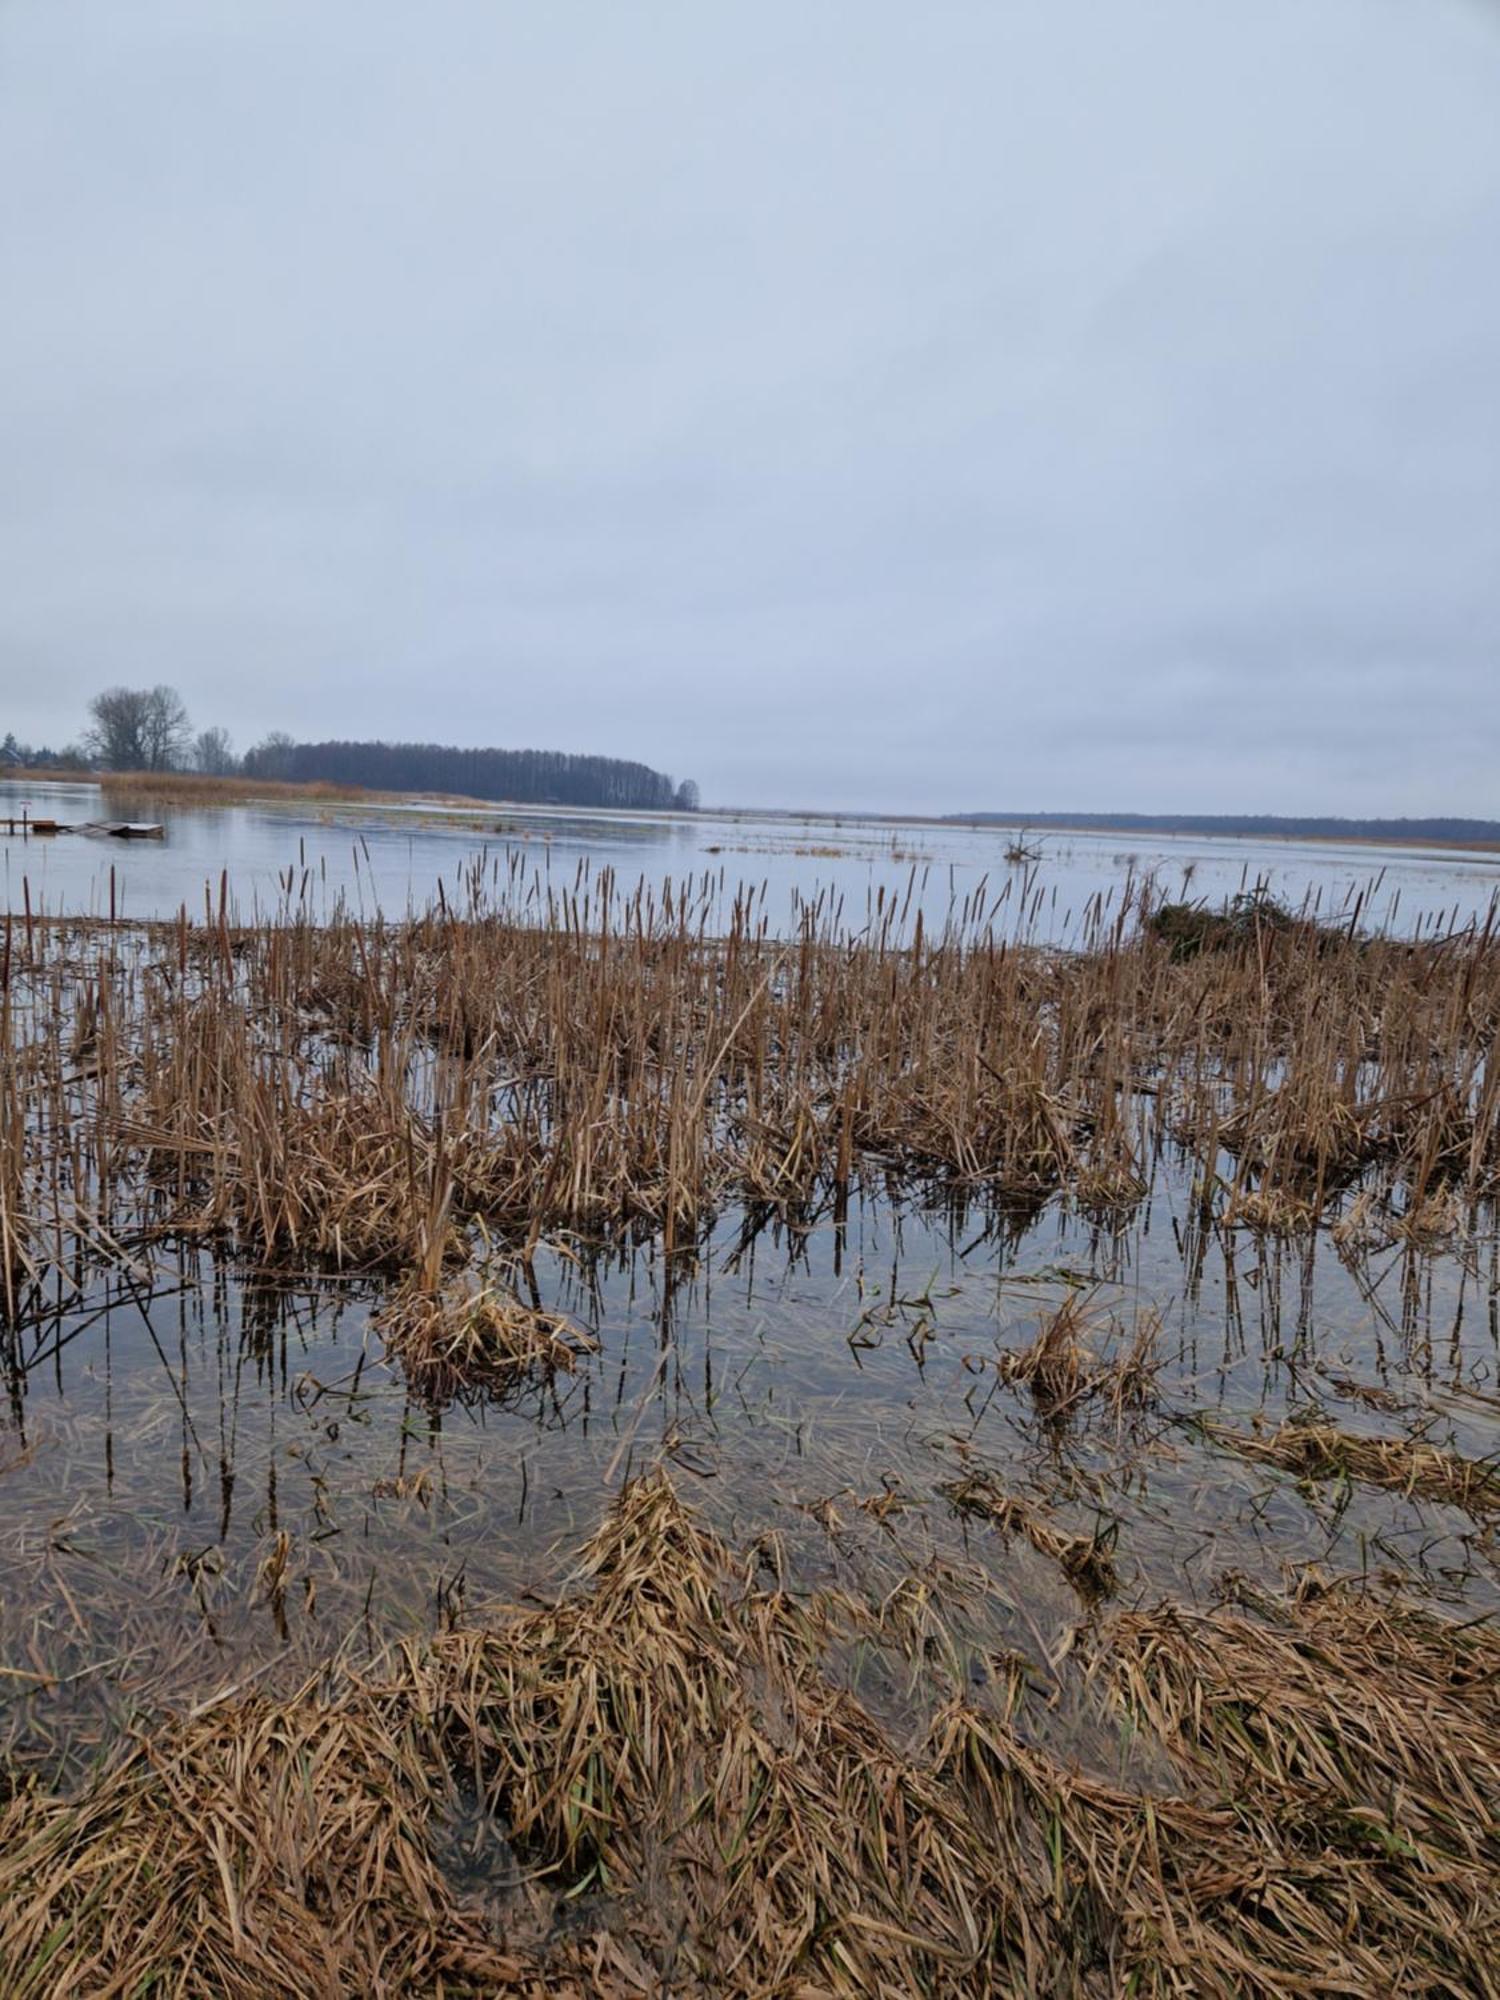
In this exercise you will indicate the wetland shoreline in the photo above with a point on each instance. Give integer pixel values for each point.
(747, 1463)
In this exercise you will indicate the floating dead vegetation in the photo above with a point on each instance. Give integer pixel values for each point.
(1371, 1729)
(1314, 1449)
(257, 1847)
(654, 1784)
(476, 1337)
(1087, 1561)
(1064, 1369)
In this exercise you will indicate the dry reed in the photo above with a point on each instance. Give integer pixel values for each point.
(1314, 1449)
(359, 1092)
(467, 1338)
(655, 1785)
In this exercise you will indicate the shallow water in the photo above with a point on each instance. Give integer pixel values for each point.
(209, 1479)
(163, 1445)
(396, 859)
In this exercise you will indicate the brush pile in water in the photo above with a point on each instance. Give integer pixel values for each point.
(659, 1784)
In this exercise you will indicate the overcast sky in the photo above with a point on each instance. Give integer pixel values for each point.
(1006, 405)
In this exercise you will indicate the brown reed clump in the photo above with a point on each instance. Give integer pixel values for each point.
(464, 1339)
(1055, 1367)
(1314, 1449)
(1085, 1560)
(656, 1785)
(1063, 1370)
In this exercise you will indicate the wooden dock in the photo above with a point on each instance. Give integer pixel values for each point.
(117, 829)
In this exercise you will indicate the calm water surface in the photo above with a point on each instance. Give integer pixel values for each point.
(393, 859)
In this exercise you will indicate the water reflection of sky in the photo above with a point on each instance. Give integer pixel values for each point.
(394, 859)
(177, 1433)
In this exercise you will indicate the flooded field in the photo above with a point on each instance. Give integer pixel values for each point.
(689, 1442)
(394, 859)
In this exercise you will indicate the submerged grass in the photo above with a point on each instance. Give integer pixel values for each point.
(654, 1785)
(1312, 1448)
(1085, 1560)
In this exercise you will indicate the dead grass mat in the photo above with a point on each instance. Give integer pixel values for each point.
(667, 1791)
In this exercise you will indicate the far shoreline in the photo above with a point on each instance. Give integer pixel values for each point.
(194, 788)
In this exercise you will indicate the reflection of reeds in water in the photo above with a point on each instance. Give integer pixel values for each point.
(658, 1784)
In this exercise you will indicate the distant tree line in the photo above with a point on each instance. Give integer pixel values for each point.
(18, 756)
(1269, 825)
(148, 729)
(529, 777)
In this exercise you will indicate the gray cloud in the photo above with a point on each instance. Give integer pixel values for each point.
(977, 404)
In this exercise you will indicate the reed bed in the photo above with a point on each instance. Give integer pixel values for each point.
(197, 788)
(658, 1783)
(362, 1093)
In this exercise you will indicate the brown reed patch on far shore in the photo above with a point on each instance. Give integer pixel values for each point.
(194, 788)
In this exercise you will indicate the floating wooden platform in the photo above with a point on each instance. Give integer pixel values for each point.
(118, 829)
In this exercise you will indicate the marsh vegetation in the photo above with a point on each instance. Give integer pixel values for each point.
(566, 1444)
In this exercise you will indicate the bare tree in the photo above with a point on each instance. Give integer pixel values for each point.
(168, 732)
(687, 798)
(213, 753)
(138, 729)
(117, 728)
(271, 757)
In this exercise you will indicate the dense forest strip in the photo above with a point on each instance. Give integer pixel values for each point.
(528, 777)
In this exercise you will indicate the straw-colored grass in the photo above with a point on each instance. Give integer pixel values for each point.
(259, 1848)
(589, 1061)
(465, 1338)
(195, 788)
(656, 1785)
(1314, 1449)
(1063, 1368)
